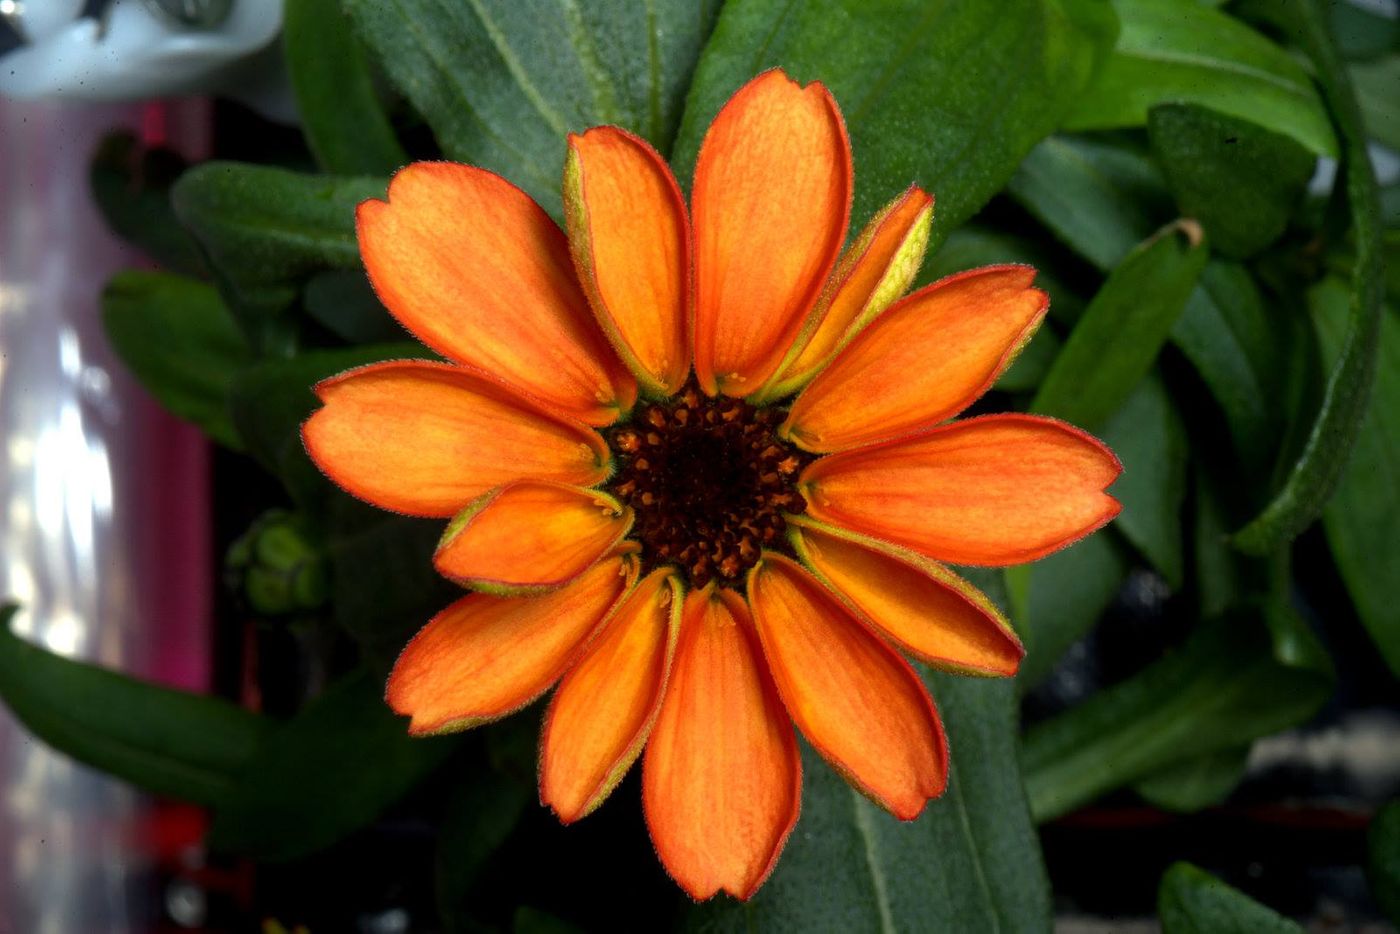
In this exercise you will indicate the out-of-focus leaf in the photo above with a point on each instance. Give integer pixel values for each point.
(326, 772)
(1362, 33)
(1195, 783)
(343, 301)
(483, 810)
(1228, 685)
(975, 245)
(1173, 51)
(1192, 901)
(1149, 438)
(345, 125)
(1316, 472)
(131, 185)
(850, 867)
(1241, 181)
(1378, 92)
(1362, 519)
(181, 342)
(1383, 869)
(1031, 364)
(1099, 195)
(166, 741)
(502, 82)
(915, 109)
(1114, 344)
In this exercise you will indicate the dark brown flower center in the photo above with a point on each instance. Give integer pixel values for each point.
(709, 481)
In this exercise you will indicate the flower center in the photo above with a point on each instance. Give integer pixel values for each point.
(709, 481)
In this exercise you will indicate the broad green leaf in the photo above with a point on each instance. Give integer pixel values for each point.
(1362, 518)
(1149, 438)
(181, 342)
(1192, 901)
(970, 863)
(1315, 474)
(1186, 52)
(1383, 865)
(1224, 688)
(503, 82)
(975, 245)
(1378, 92)
(328, 771)
(1241, 181)
(1115, 343)
(341, 116)
(916, 109)
(1099, 195)
(481, 814)
(1034, 360)
(343, 301)
(131, 187)
(1362, 33)
(169, 742)
(1196, 783)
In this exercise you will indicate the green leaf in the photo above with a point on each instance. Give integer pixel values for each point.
(131, 186)
(181, 342)
(1149, 438)
(1114, 344)
(916, 110)
(1186, 52)
(1378, 93)
(1196, 783)
(1192, 901)
(969, 863)
(483, 811)
(343, 301)
(1099, 195)
(1241, 181)
(1315, 474)
(1361, 519)
(169, 742)
(1383, 869)
(502, 82)
(1224, 688)
(975, 245)
(328, 771)
(1361, 33)
(341, 115)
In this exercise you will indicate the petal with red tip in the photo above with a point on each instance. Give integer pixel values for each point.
(771, 201)
(604, 708)
(917, 603)
(530, 536)
(1001, 489)
(854, 698)
(428, 438)
(872, 275)
(921, 362)
(721, 780)
(630, 238)
(478, 271)
(486, 656)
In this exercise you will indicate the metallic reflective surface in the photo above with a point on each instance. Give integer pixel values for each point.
(103, 536)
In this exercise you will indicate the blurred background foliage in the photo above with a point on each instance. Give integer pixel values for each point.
(1191, 179)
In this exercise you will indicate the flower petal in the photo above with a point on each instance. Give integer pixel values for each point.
(530, 536)
(771, 200)
(630, 238)
(428, 438)
(485, 656)
(722, 780)
(921, 362)
(916, 603)
(606, 705)
(871, 276)
(854, 698)
(478, 271)
(1001, 489)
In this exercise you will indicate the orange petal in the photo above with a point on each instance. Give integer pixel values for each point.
(605, 706)
(854, 698)
(722, 780)
(919, 604)
(428, 438)
(466, 261)
(923, 361)
(1001, 489)
(631, 243)
(486, 656)
(874, 273)
(771, 200)
(530, 536)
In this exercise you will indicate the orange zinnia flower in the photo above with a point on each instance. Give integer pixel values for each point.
(710, 566)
